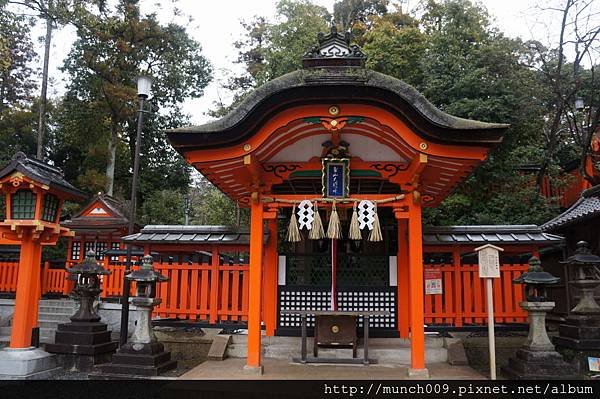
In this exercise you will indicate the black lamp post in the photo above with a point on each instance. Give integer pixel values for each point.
(144, 84)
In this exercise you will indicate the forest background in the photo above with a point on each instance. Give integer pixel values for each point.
(449, 50)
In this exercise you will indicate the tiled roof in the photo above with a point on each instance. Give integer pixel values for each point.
(80, 222)
(43, 173)
(586, 207)
(476, 235)
(176, 234)
(489, 234)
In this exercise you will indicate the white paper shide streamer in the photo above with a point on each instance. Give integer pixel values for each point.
(366, 214)
(306, 215)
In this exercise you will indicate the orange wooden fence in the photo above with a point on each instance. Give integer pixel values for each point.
(194, 291)
(464, 298)
(8, 276)
(219, 293)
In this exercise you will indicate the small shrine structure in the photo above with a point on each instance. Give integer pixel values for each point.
(361, 152)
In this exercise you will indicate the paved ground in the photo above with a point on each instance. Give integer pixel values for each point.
(279, 369)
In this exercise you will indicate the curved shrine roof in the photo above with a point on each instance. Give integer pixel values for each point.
(386, 123)
(333, 85)
(586, 207)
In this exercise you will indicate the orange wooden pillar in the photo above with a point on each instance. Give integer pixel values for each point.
(403, 279)
(253, 361)
(458, 291)
(270, 279)
(26, 299)
(417, 329)
(214, 284)
(38, 288)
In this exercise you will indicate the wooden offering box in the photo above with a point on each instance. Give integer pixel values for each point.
(337, 331)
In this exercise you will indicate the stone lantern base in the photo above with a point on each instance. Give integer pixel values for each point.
(135, 359)
(143, 355)
(80, 346)
(538, 365)
(579, 338)
(538, 360)
(27, 364)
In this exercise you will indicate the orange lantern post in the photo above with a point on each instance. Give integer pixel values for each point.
(34, 195)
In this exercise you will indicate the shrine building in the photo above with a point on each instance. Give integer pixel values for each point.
(359, 151)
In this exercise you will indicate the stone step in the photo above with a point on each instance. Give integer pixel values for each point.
(430, 342)
(57, 302)
(386, 350)
(58, 317)
(218, 348)
(56, 310)
(52, 324)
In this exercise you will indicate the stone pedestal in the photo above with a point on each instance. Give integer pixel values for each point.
(579, 338)
(142, 356)
(80, 346)
(27, 364)
(538, 360)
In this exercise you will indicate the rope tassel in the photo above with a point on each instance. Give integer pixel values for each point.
(334, 229)
(375, 234)
(317, 232)
(293, 230)
(354, 233)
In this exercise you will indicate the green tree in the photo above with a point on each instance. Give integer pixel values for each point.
(163, 207)
(115, 46)
(16, 75)
(271, 49)
(396, 46)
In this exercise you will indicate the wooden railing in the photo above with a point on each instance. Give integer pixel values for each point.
(464, 298)
(8, 276)
(202, 291)
(217, 293)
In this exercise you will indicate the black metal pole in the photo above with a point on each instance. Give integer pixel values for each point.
(132, 212)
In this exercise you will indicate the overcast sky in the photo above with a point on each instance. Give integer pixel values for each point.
(216, 25)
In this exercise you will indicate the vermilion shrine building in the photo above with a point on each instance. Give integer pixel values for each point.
(276, 149)
(395, 148)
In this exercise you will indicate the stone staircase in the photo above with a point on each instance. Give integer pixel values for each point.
(53, 312)
(385, 350)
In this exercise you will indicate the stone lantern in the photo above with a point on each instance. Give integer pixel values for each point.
(87, 286)
(536, 281)
(142, 355)
(583, 264)
(84, 342)
(537, 359)
(146, 278)
(34, 193)
(579, 335)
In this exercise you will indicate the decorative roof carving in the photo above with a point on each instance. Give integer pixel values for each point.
(334, 50)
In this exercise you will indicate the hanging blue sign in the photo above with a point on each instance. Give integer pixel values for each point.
(336, 177)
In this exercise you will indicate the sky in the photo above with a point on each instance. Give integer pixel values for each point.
(216, 25)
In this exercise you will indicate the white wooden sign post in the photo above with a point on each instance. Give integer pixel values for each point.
(489, 268)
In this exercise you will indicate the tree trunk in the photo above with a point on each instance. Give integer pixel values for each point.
(112, 158)
(42, 108)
